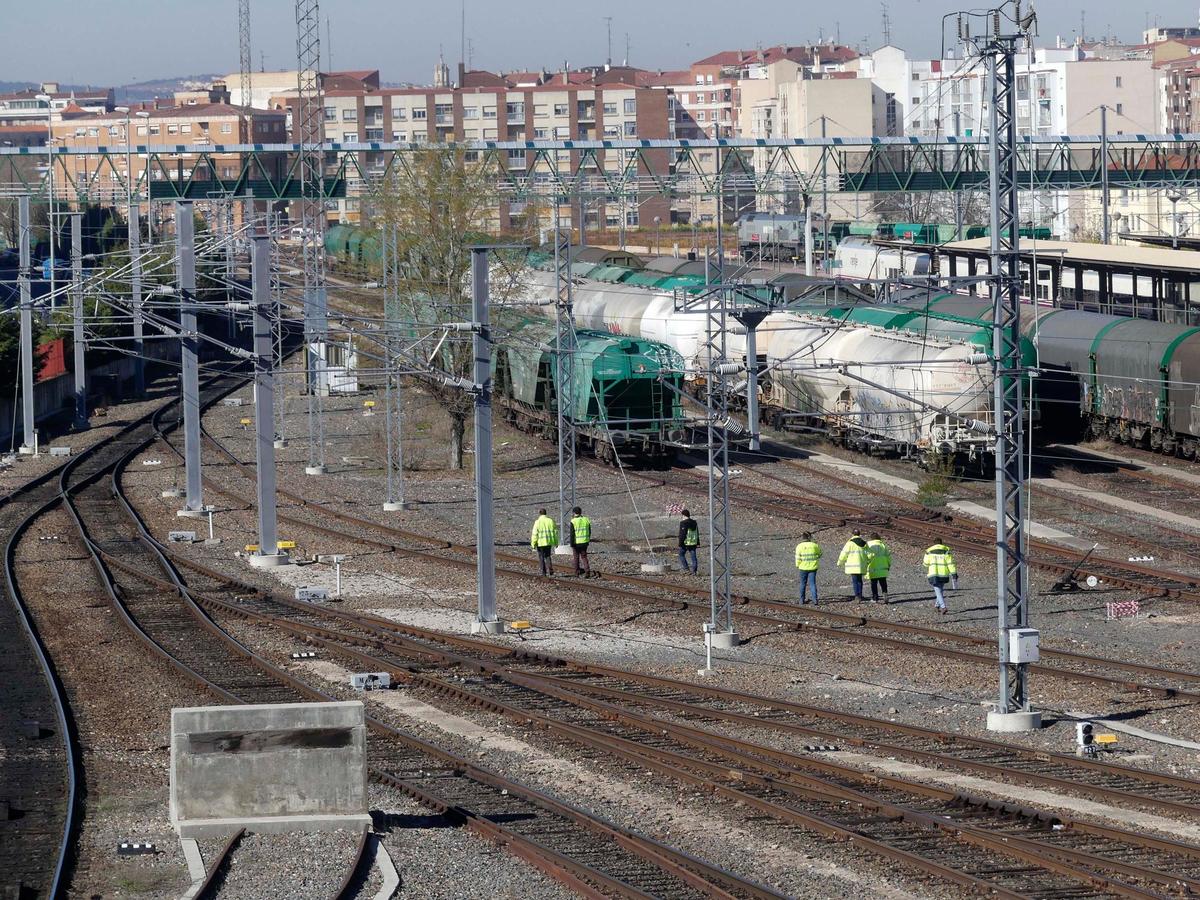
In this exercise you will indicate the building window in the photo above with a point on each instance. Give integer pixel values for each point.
(561, 109)
(399, 112)
(399, 136)
(331, 114)
(1119, 109)
(420, 112)
(610, 109)
(489, 134)
(349, 137)
(374, 134)
(420, 137)
(631, 129)
(349, 115)
(1118, 81)
(631, 218)
(562, 133)
(154, 129)
(489, 112)
(612, 131)
(515, 112)
(630, 106)
(539, 109)
(541, 134)
(470, 112)
(141, 129)
(226, 128)
(185, 129)
(443, 113)
(700, 116)
(171, 129)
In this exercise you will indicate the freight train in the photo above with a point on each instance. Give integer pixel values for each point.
(626, 397)
(841, 367)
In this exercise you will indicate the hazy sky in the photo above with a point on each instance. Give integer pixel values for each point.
(121, 41)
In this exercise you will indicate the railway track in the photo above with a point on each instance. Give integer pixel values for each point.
(789, 789)
(593, 856)
(1060, 664)
(1033, 770)
(40, 770)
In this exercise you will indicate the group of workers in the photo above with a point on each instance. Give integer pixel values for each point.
(871, 560)
(867, 562)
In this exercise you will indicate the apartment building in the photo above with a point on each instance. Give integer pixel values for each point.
(607, 103)
(24, 107)
(194, 120)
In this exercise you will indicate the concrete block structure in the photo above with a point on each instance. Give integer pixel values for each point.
(269, 768)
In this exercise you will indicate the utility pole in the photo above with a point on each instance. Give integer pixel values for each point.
(958, 200)
(1105, 197)
(608, 23)
(481, 342)
(310, 130)
(393, 398)
(1017, 643)
(268, 555)
(29, 425)
(189, 376)
(78, 340)
(135, 299)
(564, 354)
(824, 200)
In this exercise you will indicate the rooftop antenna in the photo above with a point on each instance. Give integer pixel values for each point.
(608, 23)
(462, 36)
(328, 45)
(887, 25)
(837, 33)
(627, 48)
(262, 61)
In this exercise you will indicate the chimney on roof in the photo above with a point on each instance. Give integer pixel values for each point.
(566, 72)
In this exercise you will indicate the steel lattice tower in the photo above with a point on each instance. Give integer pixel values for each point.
(1008, 400)
(244, 57)
(564, 348)
(309, 127)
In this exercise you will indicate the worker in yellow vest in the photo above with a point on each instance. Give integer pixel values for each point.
(879, 566)
(940, 568)
(544, 539)
(856, 559)
(808, 560)
(580, 537)
(689, 540)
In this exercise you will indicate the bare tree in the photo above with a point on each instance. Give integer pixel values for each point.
(442, 204)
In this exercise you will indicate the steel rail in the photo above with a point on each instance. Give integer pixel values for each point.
(215, 873)
(745, 754)
(686, 869)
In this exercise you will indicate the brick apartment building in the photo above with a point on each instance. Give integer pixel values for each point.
(203, 118)
(596, 104)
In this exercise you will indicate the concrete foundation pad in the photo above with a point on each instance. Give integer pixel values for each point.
(191, 513)
(315, 470)
(1025, 720)
(269, 561)
(653, 569)
(212, 542)
(562, 551)
(396, 506)
(24, 450)
(280, 445)
(707, 673)
(217, 828)
(172, 493)
(496, 627)
(726, 640)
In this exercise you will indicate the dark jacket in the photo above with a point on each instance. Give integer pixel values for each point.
(684, 527)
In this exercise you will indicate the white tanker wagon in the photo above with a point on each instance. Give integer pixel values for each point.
(870, 388)
(875, 390)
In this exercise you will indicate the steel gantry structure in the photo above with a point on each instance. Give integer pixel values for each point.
(582, 168)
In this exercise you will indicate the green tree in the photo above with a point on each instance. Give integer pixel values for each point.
(442, 204)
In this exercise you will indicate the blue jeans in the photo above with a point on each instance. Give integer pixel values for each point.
(807, 578)
(684, 553)
(856, 582)
(939, 598)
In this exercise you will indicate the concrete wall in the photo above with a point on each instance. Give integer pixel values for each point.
(274, 767)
